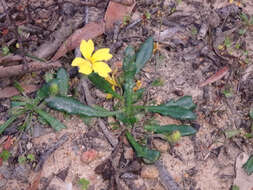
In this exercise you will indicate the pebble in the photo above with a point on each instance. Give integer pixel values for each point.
(149, 172)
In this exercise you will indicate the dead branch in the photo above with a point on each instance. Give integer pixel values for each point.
(10, 58)
(27, 68)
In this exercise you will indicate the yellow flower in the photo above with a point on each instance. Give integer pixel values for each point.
(93, 61)
(113, 82)
(137, 85)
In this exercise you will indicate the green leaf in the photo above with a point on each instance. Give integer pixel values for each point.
(138, 94)
(31, 157)
(129, 65)
(149, 156)
(53, 122)
(5, 154)
(173, 111)
(17, 104)
(127, 120)
(42, 93)
(251, 113)
(185, 130)
(144, 54)
(129, 69)
(21, 159)
(235, 187)
(73, 106)
(248, 166)
(63, 82)
(18, 86)
(231, 133)
(184, 102)
(103, 85)
(84, 183)
(7, 123)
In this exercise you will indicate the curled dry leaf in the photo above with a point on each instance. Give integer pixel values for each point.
(217, 76)
(89, 31)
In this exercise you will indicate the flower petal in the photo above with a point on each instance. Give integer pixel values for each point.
(101, 55)
(78, 61)
(101, 68)
(85, 67)
(87, 48)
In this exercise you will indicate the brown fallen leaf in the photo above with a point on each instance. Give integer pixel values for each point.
(12, 91)
(217, 76)
(89, 31)
(115, 13)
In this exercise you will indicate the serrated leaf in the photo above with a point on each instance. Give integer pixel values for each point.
(149, 156)
(73, 106)
(53, 122)
(63, 82)
(185, 130)
(184, 102)
(173, 111)
(7, 123)
(144, 54)
(129, 69)
(103, 85)
(248, 166)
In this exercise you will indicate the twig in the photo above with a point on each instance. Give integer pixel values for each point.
(84, 84)
(165, 177)
(30, 67)
(109, 136)
(51, 150)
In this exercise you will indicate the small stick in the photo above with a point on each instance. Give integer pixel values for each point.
(30, 67)
(165, 177)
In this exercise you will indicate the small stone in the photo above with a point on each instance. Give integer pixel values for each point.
(29, 145)
(161, 146)
(149, 172)
(89, 156)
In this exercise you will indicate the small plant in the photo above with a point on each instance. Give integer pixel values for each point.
(24, 159)
(248, 166)
(127, 109)
(23, 106)
(5, 154)
(84, 183)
